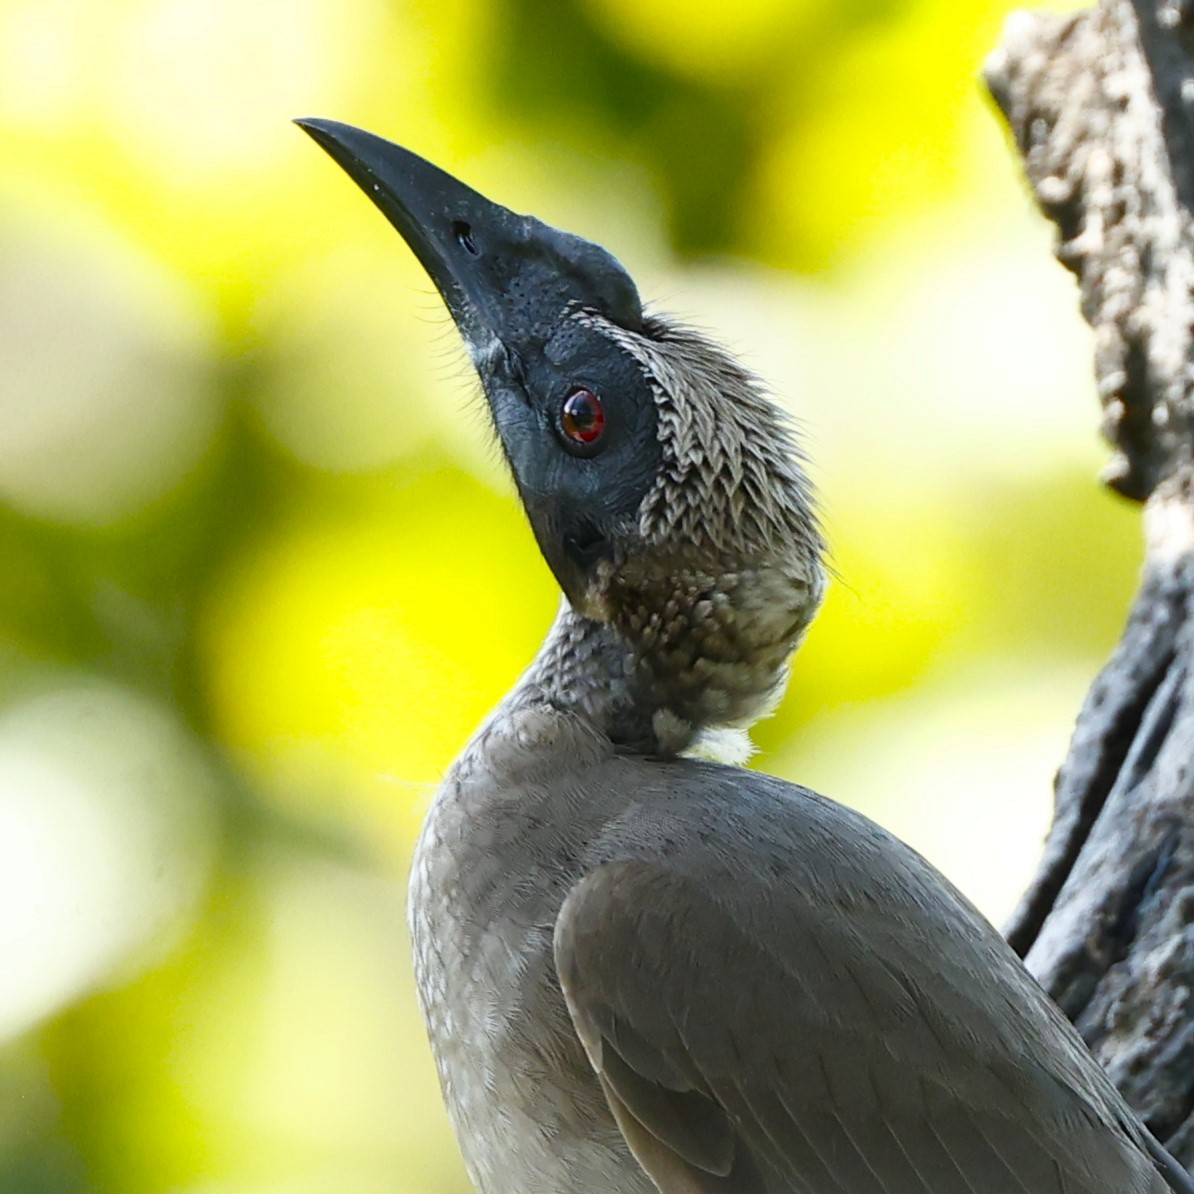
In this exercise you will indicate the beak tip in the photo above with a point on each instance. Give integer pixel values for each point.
(315, 126)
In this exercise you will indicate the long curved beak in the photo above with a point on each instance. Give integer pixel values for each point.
(503, 276)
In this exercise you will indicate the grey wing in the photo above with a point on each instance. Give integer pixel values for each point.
(1170, 1168)
(742, 1055)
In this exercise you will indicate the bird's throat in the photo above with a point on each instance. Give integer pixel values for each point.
(676, 657)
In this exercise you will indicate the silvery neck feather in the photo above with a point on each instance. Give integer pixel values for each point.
(686, 626)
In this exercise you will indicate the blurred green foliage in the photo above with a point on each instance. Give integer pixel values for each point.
(261, 574)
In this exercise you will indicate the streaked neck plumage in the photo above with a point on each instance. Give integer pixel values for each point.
(685, 630)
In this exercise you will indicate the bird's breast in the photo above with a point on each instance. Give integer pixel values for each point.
(489, 875)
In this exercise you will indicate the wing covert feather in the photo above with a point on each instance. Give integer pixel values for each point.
(747, 1046)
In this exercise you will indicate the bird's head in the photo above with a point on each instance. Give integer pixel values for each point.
(663, 487)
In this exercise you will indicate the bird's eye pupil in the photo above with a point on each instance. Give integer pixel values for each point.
(463, 233)
(582, 417)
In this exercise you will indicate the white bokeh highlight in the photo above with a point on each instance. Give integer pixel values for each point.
(106, 839)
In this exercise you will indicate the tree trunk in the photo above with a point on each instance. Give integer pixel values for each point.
(1101, 104)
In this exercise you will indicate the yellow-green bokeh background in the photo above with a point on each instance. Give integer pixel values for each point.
(261, 573)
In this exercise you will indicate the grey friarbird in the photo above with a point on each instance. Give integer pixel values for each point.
(641, 970)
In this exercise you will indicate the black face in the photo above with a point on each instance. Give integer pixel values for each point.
(573, 410)
(577, 422)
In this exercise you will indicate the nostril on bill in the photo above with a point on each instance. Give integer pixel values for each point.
(463, 233)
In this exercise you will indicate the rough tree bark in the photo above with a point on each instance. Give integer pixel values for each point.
(1101, 104)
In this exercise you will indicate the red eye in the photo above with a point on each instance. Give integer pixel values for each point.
(582, 417)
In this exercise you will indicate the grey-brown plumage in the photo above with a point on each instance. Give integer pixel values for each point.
(642, 971)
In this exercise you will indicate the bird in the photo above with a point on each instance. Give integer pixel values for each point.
(644, 968)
